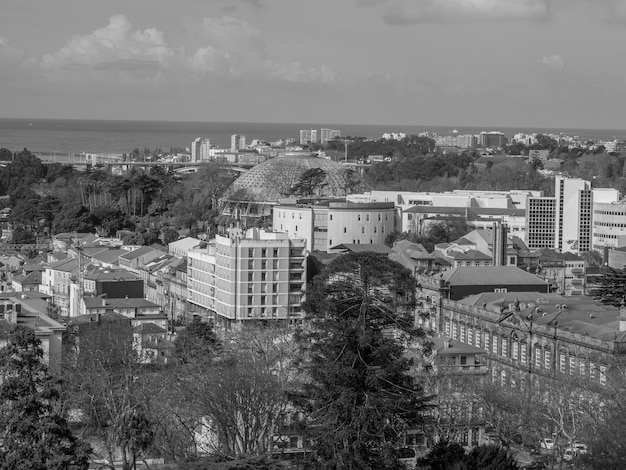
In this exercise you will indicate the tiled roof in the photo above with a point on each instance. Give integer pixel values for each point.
(490, 275)
(361, 248)
(148, 328)
(137, 253)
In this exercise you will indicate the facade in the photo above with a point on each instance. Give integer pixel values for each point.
(566, 272)
(251, 277)
(114, 284)
(180, 248)
(576, 220)
(308, 136)
(532, 339)
(491, 139)
(237, 142)
(56, 281)
(200, 149)
(609, 224)
(460, 282)
(328, 223)
(30, 309)
(540, 226)
(328, 134)
(573, 214)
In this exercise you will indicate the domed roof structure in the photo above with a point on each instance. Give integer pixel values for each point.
(274, 179)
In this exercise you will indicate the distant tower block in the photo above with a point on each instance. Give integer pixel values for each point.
(500, 235)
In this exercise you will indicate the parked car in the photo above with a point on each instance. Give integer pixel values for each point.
(546, 443)
(569, 455)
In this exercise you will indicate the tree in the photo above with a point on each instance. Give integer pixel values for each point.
(197, 342)
(310, 183)
(170, 235)
(445, 455)
(361, 394)
(451, 456)
(21, 236)
(33, 435)
(490, 457)
(612, 287)
(105, 384)
(74, 218)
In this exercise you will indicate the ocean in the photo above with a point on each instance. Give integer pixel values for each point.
(70, 136)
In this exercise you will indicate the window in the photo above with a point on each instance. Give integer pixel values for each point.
(362, 229)
(463, 333)
(538, 357)
(486, 341)
(250, 252)
(250, 264)
(249, 277)
(573, 367)
(547, 359)
(262, 300)
(275, 253)
(592, 370)
(504, 348)
(455, 330)
(602, 375)
(562, 362)
(515, 350)
(447, 328)
(263, 276)
(477, 344)
(582, 367)
(470, 335)
(263, 264)
(463, 360)
(345, 230)
(249, 299)
(522, 353)
(367, 217)
(494, 345)
(264, 252)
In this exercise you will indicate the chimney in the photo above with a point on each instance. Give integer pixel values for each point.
(622, 317)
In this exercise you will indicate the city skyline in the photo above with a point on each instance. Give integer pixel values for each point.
(512, 63)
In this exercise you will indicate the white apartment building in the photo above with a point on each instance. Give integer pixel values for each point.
(200, 149)
(609, 224)
(237, 142)
(308, 136)
(576, 220)
(328, 134)
(57, 281)
(328, 223)
(248, 277)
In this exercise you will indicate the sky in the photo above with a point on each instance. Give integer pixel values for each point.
(506, 63)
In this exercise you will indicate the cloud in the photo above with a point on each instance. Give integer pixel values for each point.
(225, 49)
(404, 12)
(553, 62)
(615, 11)
(115, 47)
(237, 49)
(294, 72)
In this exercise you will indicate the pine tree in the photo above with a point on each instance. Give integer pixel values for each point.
(361, 394)
(32, 435)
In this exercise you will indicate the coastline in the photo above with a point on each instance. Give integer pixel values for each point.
(78, 136)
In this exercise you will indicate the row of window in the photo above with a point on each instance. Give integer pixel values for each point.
(264, 252)
(499, 346)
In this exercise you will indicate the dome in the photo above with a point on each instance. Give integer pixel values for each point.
(274, 178)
